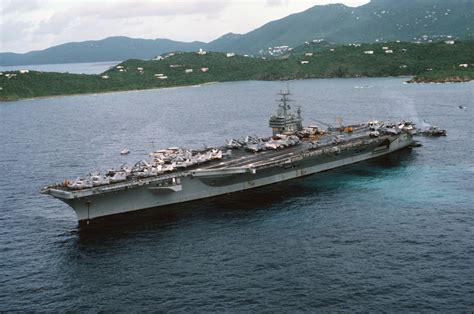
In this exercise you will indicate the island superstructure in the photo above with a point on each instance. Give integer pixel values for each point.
(176, 175)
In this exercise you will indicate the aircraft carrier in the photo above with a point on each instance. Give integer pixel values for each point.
(176, 175)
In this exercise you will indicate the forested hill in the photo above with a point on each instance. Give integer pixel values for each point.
(438, 62)
(377, 21)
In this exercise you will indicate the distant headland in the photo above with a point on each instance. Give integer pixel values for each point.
(444, 61)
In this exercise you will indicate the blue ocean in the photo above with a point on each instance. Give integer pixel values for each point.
(77, 68)
(391, 234)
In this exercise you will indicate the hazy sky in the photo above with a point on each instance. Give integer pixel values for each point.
(27, 25)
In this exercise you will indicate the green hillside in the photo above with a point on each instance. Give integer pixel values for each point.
(108, 49)
(436, 62)
(377, 21)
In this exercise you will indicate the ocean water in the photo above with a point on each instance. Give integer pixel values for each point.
(78, 68)
(391, 234)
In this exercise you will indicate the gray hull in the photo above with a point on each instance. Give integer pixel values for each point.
(194, 185)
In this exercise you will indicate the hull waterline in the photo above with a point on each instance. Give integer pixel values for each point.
(189, 187)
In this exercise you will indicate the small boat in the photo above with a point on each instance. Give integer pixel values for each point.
(125, 151)
(434, 131)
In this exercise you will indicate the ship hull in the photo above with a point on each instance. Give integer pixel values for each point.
(190, 187)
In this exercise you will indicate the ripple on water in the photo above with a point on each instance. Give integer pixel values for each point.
(393, 233)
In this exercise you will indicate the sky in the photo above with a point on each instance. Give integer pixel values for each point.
(27, 25)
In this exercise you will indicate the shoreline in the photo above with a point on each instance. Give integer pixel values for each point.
(108, 92)
(414, 63)
(413, 80)
(453, 79)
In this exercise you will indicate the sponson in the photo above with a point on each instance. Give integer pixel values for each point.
(177, 175)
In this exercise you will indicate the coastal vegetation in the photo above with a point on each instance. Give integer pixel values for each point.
(377, 21)
(434, 62)
(445, 76)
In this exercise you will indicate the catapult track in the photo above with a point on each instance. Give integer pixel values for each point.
(178, 175)
(247, 172)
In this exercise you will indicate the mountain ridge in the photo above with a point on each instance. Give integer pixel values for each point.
(110, 48)
(376, 21)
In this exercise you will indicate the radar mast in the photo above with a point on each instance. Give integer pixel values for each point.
(285, 120)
